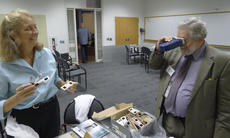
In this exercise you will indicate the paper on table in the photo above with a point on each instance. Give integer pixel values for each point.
(93, 129)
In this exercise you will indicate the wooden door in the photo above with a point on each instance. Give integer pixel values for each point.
(126, 30)
(88, 21)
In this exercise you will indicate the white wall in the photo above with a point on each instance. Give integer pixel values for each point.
(75, 3)
(120, 8)
(167, 7)
(171, 7)
(56, 19)
(56, 16)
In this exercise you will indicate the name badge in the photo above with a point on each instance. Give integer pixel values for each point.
(170, 70)
(167, 91)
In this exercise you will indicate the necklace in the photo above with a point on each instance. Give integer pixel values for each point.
(29, 60)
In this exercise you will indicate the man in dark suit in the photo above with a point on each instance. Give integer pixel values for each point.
(199, 106)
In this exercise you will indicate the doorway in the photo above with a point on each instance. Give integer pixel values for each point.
(86, 17)
(92, 19)
(126, 30)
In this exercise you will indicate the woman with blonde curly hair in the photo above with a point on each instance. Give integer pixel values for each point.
(22, 61)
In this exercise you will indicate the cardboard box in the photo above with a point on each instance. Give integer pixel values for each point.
(120, 130)
(114, 113)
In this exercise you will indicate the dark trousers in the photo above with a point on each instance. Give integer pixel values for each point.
(84, 53)
(45, 120)
(174, 126)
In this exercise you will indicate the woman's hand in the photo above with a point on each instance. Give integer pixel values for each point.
(73, 88)
(22, 93)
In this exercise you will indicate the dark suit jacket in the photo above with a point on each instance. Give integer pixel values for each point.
(208, 111)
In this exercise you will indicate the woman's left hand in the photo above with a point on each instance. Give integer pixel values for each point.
(72, 88)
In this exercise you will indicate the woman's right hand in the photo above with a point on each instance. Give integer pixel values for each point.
(24, 91)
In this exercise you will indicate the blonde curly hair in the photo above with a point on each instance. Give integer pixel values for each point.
(9, 48)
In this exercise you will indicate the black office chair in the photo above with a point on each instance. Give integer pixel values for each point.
(64, 56)
(67, 57)
(57, 53)
(70, 71)
(69, 114)
(130, 53)
(58, 57)
(146, 54)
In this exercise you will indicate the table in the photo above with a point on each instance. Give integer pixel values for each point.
(105, 123)
(70, 134)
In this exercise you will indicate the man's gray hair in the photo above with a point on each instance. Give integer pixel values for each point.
(197, 28)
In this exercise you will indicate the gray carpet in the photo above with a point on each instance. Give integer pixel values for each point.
(113, 81)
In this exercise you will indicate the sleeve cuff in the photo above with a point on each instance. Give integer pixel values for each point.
(57, 80)
(2, 115)
(158, 52)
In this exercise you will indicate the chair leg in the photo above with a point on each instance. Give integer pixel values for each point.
(85, 82)
(79, 79)
(147, 68)
(64, 76)
(69, 76)
(141, 58)
(65, 128)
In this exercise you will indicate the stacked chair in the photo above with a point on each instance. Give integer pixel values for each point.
(130, 53)
(145, 57)
(68, 70)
